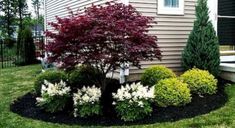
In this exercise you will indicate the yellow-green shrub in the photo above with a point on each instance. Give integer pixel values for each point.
(200, 81)
(154, 74)
(171, 92)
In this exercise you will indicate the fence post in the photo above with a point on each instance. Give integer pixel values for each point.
(1, 43)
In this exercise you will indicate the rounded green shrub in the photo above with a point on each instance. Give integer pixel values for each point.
(84, 75)
(171, 92)
(52, 76)
(200, 81)
(154, 74)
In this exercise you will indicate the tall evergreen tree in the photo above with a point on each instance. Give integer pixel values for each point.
(8, 7)
(202, 49)
(21, 9)
(27, 47)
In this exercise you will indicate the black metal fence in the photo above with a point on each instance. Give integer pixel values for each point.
(9, 56)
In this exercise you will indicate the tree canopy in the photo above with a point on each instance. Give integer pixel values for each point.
(104, 36)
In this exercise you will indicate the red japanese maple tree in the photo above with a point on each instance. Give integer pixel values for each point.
(102, 36)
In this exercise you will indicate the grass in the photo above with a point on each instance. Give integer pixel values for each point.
(15, 82)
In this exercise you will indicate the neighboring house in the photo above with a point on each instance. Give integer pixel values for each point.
(37, 30)
(174, 18)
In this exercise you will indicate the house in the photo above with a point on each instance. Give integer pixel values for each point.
(175, 20)
(37, 30)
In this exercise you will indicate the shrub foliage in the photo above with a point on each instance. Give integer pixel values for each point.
(202, 49)
(87, 102)
(133, 102)
(27, 47)
(200, 81)
(52, 76)
(154, 74)
(172, 92)
(84, 75)
(54, 96)
(9, 42)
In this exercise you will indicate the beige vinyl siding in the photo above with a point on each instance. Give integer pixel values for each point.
(172, 32)
(60, 8)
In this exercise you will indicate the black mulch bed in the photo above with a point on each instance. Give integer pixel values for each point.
(25, 106)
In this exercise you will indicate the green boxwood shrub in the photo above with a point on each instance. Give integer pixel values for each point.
(154, 74)
(84, 75)
(171, 92)
(200, 81)
(52, 76)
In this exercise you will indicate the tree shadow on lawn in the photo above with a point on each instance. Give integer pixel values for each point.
(26, 107)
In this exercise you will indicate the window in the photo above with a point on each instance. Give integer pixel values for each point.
(171, 3)
(174, 7)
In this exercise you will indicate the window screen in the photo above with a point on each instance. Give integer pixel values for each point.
(226, 7)
(171, 3)
(226, 31)
(226, 22)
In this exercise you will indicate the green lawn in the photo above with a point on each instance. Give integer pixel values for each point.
(15, 82)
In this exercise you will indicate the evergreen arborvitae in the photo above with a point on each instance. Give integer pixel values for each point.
(27, 47)
(8, 9)
(19, 41)
(202, 49)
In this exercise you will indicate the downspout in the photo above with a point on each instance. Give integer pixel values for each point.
(124, 67)
(45, 27)
(45, 18)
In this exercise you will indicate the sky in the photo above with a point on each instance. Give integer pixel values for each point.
(30, 7)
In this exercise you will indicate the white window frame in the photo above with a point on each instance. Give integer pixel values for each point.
(213, 13)
(171, 11)
(126, 2)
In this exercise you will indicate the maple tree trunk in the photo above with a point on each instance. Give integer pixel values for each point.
(103, 83)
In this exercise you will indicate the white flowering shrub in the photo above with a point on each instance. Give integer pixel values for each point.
(53, 96)
(87, 102)
(133, 102)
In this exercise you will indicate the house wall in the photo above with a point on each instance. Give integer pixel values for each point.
(172, 32)
(60, 8)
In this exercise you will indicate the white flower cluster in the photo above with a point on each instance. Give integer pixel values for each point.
(135, 92)
(57, 89)
(87, 95)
